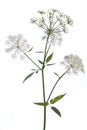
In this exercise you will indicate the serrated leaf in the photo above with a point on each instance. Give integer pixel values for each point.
(28, 76)
(52, 101)
(30, 49)
(49, 57)
(40, 62)
(56, 111)
(41, 103)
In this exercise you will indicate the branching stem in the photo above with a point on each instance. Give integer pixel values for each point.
(43, 83)
(30, 59)
(57, 83)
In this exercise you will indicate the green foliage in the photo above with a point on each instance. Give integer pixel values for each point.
(30, 49)
(41, 103)
(40, 62)
(50, 64)
(52, 101)
(28, 76)
(39, 51)
(56, 74)
(49, 57)
(56, 111)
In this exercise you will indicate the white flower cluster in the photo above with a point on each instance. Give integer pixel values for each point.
(73, 62)
(53, 22)
(17, 45)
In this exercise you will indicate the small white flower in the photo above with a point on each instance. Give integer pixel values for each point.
(17, 45)
(73, 62)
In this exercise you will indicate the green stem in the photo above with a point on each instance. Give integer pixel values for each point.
(43, 84)
(44, 126)
(45, 52)
(56, 83)
(31, 60)
(48, 49)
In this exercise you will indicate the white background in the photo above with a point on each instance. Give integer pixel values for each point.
(17, 111)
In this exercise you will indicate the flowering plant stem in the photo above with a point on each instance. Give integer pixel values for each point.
(47, 48)
(57, 83)
(56, 24)
(43, 83)
(32, 61)
(42, 73)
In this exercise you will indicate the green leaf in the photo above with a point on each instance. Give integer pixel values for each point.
(49, 57)
(30, 49)
(41, 103)
(28, 76)
(56, 74)
(50, 64)
(33, 69)
(56, 111)
(39, 52)
(40, 62)
(52, 101)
